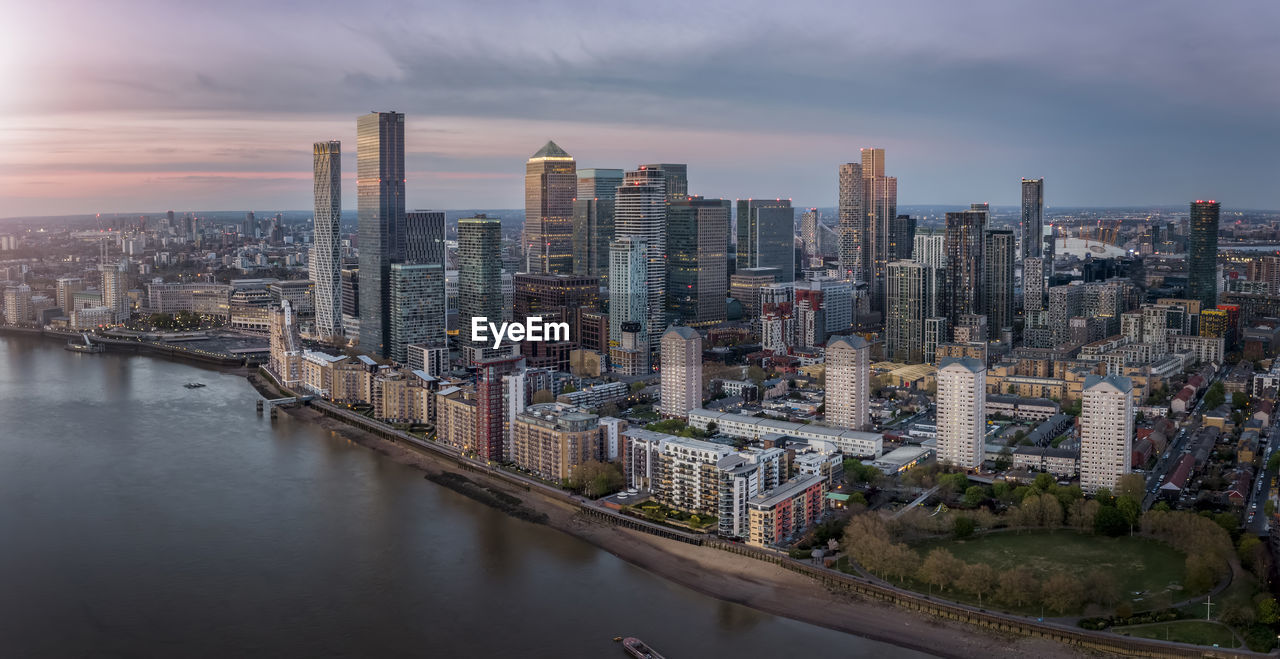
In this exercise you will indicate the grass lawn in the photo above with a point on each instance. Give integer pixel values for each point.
(1197, 632)
(1138, 565)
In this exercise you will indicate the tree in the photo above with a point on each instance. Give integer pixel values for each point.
(1103, 496)
(568, 389)
(1202, 572)
(543, 396)
(1081, 514)
(899, 561)
(1227, 521)
(963, 528)
(1102, 588)
(974, 495)
(1000, 489)
(1130, 508)
(1239, 400)
(940, 568)
(1050, 511)
(1268, 611)
(1043, 482)
(1017, 586)
(1063, 593)
(978, 579)
(596, 479)
(1215, 396)
(1110, 522)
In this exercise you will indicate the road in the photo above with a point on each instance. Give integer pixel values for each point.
(1173, 452)
(1255, 514)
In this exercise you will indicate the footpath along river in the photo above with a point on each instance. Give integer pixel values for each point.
(139, 518)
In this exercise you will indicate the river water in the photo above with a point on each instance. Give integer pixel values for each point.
(139, 518)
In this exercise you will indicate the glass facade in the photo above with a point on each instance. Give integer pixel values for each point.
(550, 185)
(1202, 254)
(380, 201)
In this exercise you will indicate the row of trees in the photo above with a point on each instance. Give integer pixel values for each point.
(870, 543)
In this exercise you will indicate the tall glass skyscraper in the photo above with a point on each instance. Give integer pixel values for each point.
(767, 236)
(424, 236)
(881, 204)
(997, 285)
(417, 307)
(1032, 217)
(697, 266)
(1202, 254)
(964, 268)
(593, 221)
(380, 200)
(640, 211)
(479, 280)
(550, 185)
(325, 256)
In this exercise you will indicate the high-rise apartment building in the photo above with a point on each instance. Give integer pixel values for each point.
(550, 186)
(930, 249)
(629, 293)
(1106, 431)
(809, 221)
(902, 237)
(964, 269)
(823, 308)
(910, 291)
(1032, 218)
(681, 389)
(697, 267)
(67, 288)
(961, 411)
(552, 439)
(115, 290)
(17, 304)
(285, 356)
(1202, 254)
(997, 284)
(380, 202)
(417, 307)
(640, 212)
(1034, 283)
(881, 200)
(766, 236)
(326, 260)
(848, 372)
(852, 211)
(479, 278)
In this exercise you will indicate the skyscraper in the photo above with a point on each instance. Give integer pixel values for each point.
(629, 290)
(479, 279)
(964, 271)
(852, 223)
(326, 261)
(881, 199)
(550, 186)
(961, 411)
(1106, 431)
(910, 289)
(675, 176)
(593, 225)
(1202, 254)
(809, 235)
(1034, 284)
(902, 236)
(848, 371)
(930, 249)
(697, 267)
(424, 236)
(640, 211)
(380, 201)
(115, 290)
(767, 236)
(997, 282)
(417, 307)
(1032, 217)
(681, 372)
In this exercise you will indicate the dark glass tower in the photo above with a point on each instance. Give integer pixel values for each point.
(424, 236)
(1032, 217)
(997, 286)
(767, 236)
(964, 273)
(1202, 254)
(380, 200)
(550, 185)
(697, 270)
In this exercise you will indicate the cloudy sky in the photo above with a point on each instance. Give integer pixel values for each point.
(137, 106)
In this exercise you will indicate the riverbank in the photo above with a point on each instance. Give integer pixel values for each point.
(726, 576)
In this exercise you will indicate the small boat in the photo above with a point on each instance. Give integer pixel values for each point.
(81, 347)
(638, 649)
(193, 385)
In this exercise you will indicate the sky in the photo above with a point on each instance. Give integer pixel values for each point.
(135, 105)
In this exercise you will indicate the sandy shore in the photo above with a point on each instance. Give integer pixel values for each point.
(735, 578)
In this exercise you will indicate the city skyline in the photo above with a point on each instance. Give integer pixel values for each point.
(127, 131)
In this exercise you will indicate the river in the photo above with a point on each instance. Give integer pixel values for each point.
(139, 518)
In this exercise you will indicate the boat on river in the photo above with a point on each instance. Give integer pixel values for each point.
(638, 649)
